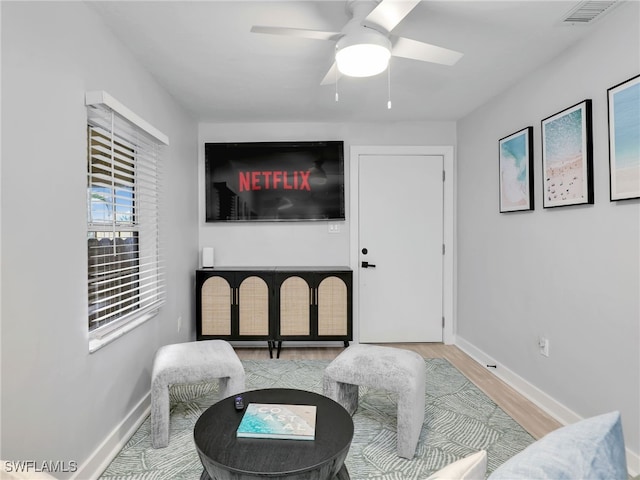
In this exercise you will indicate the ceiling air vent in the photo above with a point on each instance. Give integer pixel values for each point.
(588, 11)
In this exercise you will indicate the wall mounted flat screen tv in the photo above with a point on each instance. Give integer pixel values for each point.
(274, 181)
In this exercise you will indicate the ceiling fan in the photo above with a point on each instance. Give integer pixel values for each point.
(365, 44)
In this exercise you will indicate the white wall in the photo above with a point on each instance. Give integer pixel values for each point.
(572, 273)
(569, 273)
(59, 402)
(301, 243)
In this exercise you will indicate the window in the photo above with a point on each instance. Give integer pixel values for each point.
(125, 271)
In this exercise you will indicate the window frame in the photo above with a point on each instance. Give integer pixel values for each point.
(143, 224)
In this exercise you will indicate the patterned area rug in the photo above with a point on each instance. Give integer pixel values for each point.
(459, 420)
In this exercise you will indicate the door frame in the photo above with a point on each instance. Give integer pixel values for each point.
(449, 258)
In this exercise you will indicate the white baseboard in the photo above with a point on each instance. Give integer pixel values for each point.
(554, 408)
(102, 456)
(544, 401)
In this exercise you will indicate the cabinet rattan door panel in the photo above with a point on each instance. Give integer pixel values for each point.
(216, 307)
(253, 305)
(332, 307)
(294, 307)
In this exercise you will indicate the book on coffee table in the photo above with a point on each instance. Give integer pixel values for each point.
(275, 420)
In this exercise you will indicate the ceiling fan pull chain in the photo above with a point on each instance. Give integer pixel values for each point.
(389, 86)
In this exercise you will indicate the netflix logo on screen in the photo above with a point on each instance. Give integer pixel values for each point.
(274, 181)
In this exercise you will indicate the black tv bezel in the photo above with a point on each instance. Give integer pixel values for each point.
(339, 158)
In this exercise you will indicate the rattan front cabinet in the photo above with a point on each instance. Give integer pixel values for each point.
(234, 304)
(313, 304)
(274, 304)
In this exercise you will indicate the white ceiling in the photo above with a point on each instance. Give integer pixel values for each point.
(203, 53)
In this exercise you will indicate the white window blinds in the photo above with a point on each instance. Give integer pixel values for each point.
(125, 267)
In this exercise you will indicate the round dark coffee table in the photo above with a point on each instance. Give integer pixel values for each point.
(226, 457)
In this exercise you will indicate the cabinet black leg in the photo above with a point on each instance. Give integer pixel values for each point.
(346, 343)
(279, 348)
(270, 346)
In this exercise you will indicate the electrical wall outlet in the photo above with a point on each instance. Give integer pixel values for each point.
(543, 345)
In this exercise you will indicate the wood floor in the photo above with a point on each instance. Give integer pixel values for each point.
(532, 419)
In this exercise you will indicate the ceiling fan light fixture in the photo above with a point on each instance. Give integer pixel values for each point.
(363, 54)
(363, 60)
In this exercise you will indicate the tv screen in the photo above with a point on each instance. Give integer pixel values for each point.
(274, 181)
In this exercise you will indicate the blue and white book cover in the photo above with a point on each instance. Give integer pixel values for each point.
(270, 420)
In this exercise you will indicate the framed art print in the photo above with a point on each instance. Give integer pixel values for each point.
(624, 139)
(516, 171)
(567, 157)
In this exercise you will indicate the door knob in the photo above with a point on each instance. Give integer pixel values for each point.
(368, 265)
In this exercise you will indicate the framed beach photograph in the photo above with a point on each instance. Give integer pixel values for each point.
(516, 171)
(567, 157)
(624, 139)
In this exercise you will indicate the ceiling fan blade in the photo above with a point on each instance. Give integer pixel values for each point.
(297, 32)
(389, 13)
(407, 48)
(332, 75)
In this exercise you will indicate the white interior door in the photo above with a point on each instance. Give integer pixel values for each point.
(400, 237)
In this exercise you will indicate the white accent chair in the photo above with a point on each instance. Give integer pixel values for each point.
(387, 368)
(188, 363)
